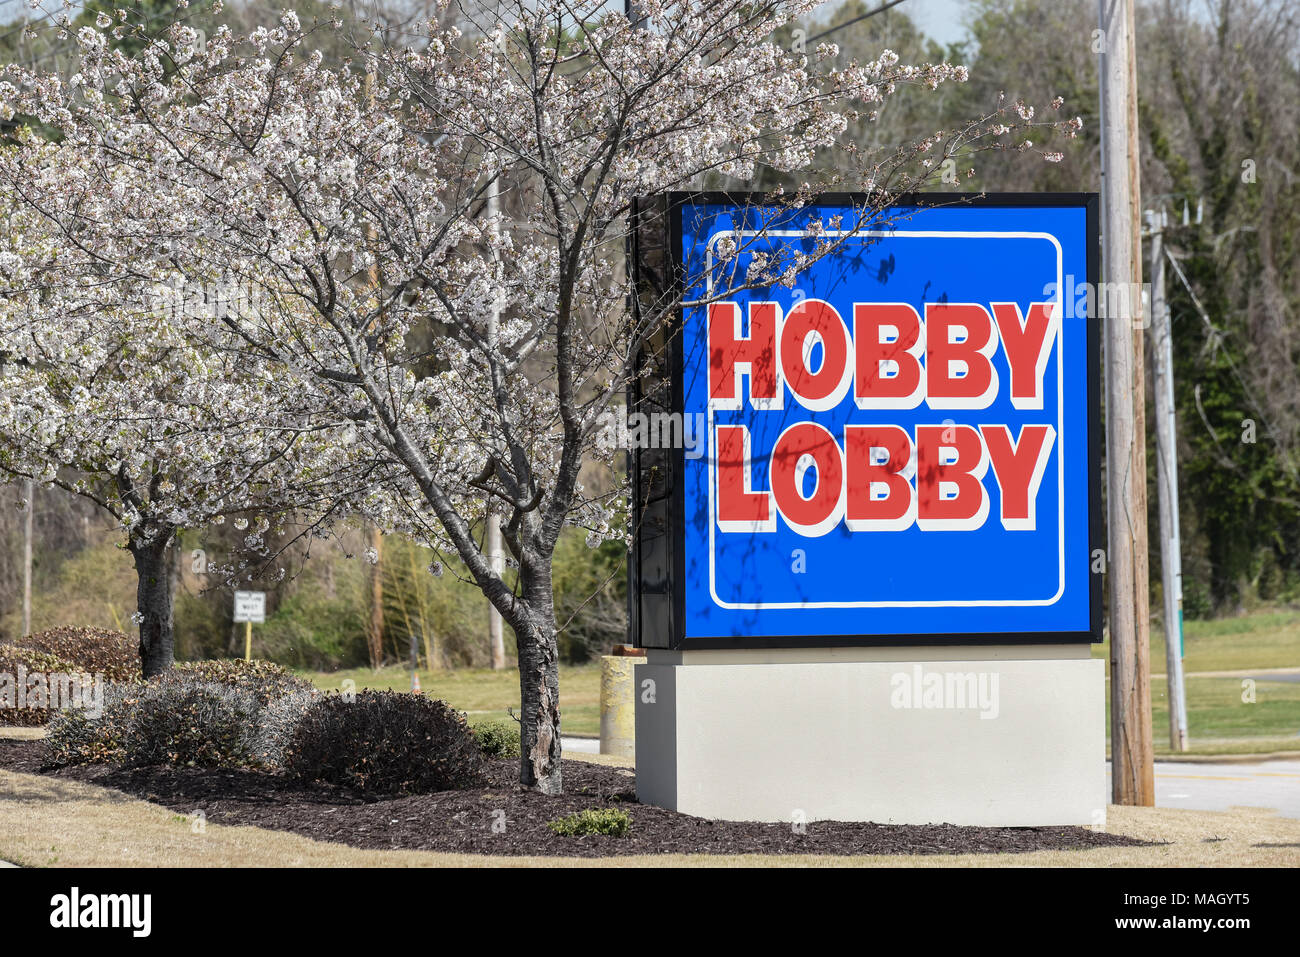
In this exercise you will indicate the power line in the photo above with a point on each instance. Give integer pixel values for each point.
(848, 23)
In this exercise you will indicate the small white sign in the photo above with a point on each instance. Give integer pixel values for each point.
(250, 606)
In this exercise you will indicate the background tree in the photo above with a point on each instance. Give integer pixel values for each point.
(102, 396)
(1219, 91)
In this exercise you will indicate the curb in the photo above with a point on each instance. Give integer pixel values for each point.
(1228, 758)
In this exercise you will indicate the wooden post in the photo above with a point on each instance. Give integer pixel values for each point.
(1132, 770)
(1162, 367)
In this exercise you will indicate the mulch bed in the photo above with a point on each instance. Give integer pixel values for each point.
(462, 821)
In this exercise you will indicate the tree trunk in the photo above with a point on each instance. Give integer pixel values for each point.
(153, 603)
(539, 682)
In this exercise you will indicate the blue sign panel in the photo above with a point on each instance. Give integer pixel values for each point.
(898, 439)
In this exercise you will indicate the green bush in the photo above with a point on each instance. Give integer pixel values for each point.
(311, 629)
(193, 724)
(497, 739)
(384, 742)
(264, 680)
(608, 821)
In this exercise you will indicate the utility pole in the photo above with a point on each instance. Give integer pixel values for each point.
(1132, 769)
(1162, 367)
(29, 492)
(496, 554)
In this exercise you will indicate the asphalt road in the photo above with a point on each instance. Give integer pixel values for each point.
(1217, 787)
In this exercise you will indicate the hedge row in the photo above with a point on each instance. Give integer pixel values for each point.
(258, 715)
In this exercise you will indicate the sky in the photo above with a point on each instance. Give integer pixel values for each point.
(939, 19)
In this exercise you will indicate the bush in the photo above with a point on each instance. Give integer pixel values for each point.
(11, 659)
(192, 724)
(77, 736)
(264, 680)
(384, 742)
(276, 725)
(496, 739)
(608, 821)
(211, 714)
(112, 654)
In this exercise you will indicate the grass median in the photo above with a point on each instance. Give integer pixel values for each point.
(485, 694)
(1221, 715)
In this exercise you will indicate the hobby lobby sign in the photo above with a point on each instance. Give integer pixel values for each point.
(877, 475)
(899, 442)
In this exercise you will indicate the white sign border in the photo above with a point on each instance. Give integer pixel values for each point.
(1060, 431)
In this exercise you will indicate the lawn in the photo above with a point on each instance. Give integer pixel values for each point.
(1219, 720)
(1263, 639)
(484, 694)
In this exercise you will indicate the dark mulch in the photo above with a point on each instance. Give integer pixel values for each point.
(463, 820)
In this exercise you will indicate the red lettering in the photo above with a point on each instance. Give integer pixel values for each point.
(730, 355)
(800, 447)
(959, 341)
(1028, 343)
(739, 508)
(888, 372)
(878, 461)
(810, 321)
(1019, 469)
(950, 462)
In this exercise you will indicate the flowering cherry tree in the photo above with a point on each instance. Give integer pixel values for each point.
(437, 236)
(100, 396)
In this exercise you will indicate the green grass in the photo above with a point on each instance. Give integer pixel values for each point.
(484, 693)
(1263, 639)
(1218, 720)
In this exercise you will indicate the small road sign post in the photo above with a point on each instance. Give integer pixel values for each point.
(250, 607)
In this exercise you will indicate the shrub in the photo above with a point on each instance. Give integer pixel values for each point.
(12, 658)
(496, 739)
(77, 736)
(384, 742)
(264, 680)
(276, 725)
(112, 654)
(608, 821)
(192, 724)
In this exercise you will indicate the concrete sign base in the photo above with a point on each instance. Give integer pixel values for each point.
(983, 735)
